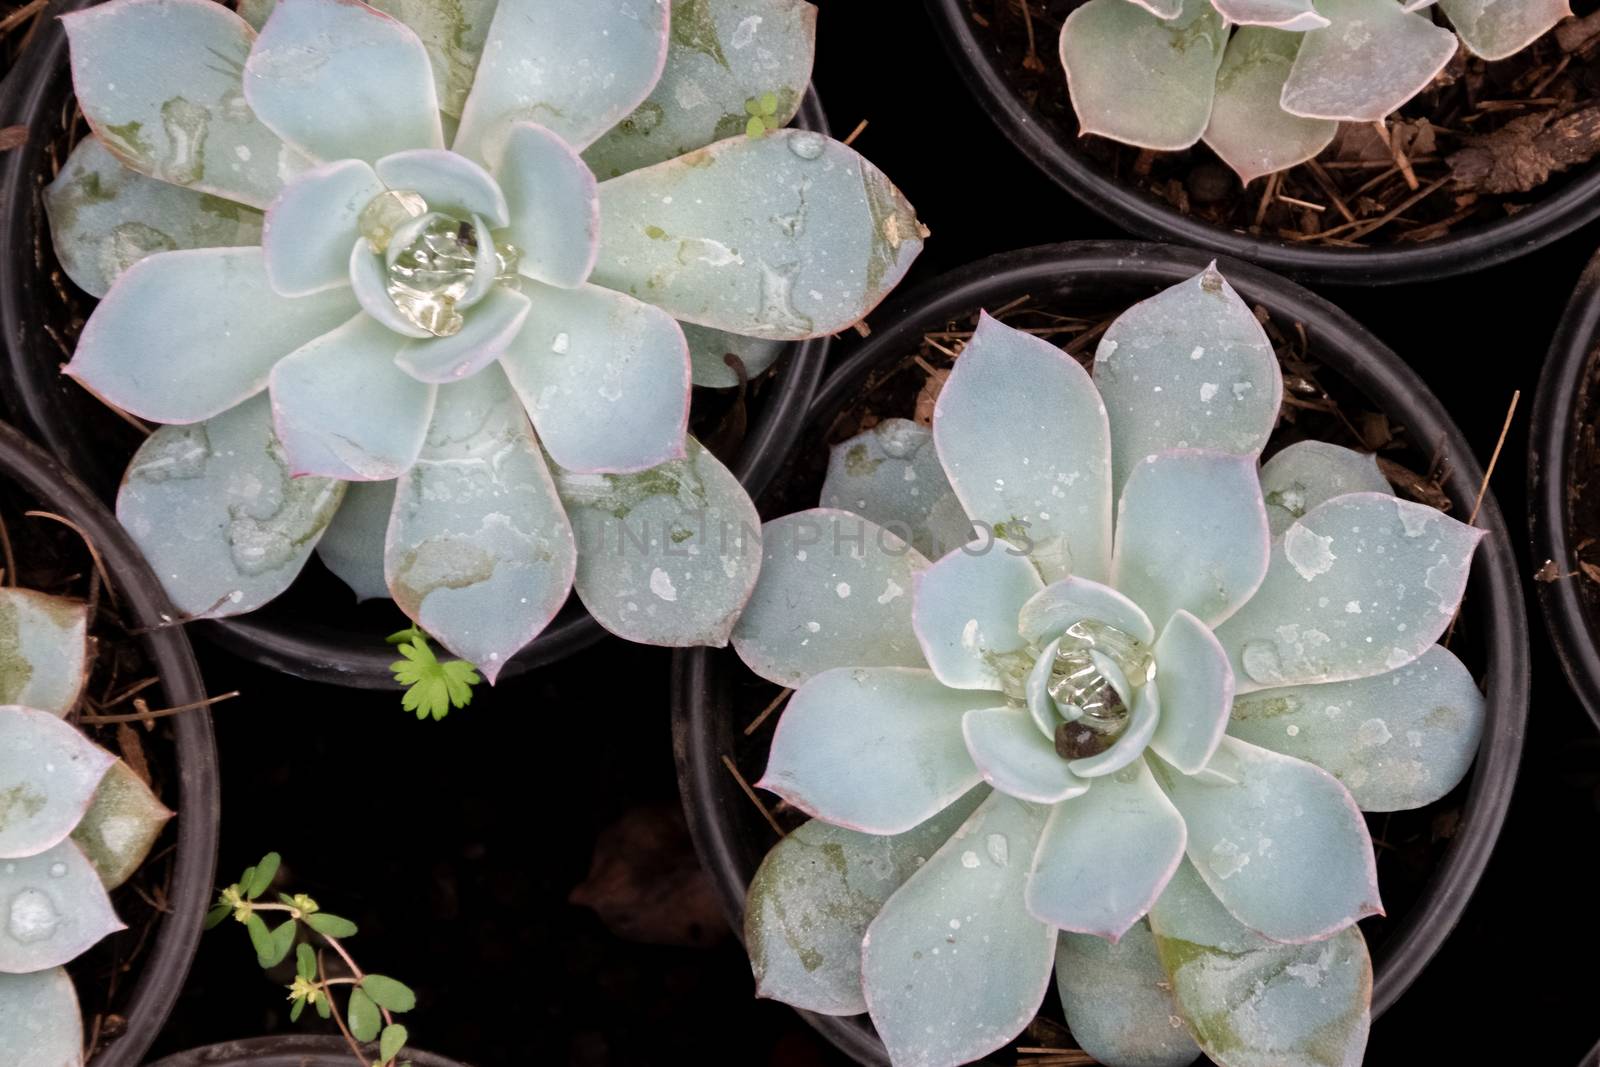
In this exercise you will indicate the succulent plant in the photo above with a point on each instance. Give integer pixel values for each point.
(1130, 743)
(346, 326)
(75, 822)
(1164, 74)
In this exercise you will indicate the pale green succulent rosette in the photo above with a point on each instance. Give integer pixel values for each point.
(1166, 74)
(75, 822)
(1125, 731)
(463, 373)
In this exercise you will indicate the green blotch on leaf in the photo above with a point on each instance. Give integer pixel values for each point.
(126, 140)
(655, 233)
(859, 463)
(15, 671)
(694, 26)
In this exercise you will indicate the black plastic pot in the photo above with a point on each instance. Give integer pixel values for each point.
(292, 634)
(1474, 248)
(1566, 386)
(177, 935)
(731, 838)
(296, 1050)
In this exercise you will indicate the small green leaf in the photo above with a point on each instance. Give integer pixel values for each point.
(404, 637)
(217, 914)
(295, 1009)
(282, 942)
(752, 106)
(324, 1009)
(329, 925)
(432, 688)
(305, 961)
(365, 1018)
(261, 876)
(769, 104)
(755, 127)
(392, 1040)
(388, 993)
(261, 938)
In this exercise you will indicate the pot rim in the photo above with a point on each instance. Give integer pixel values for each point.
(1344, 347)
(298, 645)
(177, 938)
(1575, 346)
(286, 1050)
(1473, 249)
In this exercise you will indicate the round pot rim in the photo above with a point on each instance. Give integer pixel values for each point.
(286, 1050)
(177, 938)
(1555, 411)
(302, 646)
(1353, 353)
(1473, 249)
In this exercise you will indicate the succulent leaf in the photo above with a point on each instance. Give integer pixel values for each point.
(667, 556)
(1139, 77)
(1023, 438)
(813, 897)
(604, 377)
(48, 774)
(1070, 600)
(722, 53)
(43, 650)
(555, 206)
(311, 225)
(874, 749)
(1252, 1003)
(891, 474)
(1397, 740)
(1015, 757)
(1118, 1001)
(1197, 692)
(1279, 841)
(1293, 15)
(1495, 29)
(342, 81)
(965, 611)
(160, 82)
(479, 552)
(840, 580)
(1361, 584)
(453, 32)
(122, 823)
(217, 512)
(1249, 130)
(40, 1022)
(1373, 57)
(55, 908)
(574, 66)
(709, 349)
(448, 182)
(494, 326)
(788, 236)
(954, 966)
(1307, 473)
(352, 545)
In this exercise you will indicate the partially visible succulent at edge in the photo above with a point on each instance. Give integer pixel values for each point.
(1164, 74)
(1130, 744)
(75, 822)
(346, 327)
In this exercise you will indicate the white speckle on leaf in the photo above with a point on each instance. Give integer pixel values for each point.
(1228, 859)
(842, 589)
(1199, 352)
(891, 590)
(1372, 733)
(1207, 391)
(969, 859)
(1353, 608)
(1307, 551)
(661, 585)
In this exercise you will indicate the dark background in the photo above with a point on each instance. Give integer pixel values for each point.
(456, 844)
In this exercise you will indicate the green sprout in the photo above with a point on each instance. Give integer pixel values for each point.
(372, 1000)
(763, 111)
(432, 687)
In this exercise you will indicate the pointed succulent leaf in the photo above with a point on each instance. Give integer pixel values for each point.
(1070, 600)
(160, 82)
(709, 349)
(453, 32)
(1118, 1001)
(1104, 857)
(342, 409)
(555, 206)
(1015, 757)
(667, 556)
(891, 474)
(479, 552)
(574, 66)
(1362, 584)
(217, 512)
(1397, 740)
(604, 377)
(965, 607)
(1252, 1003)
(1249, 129)
(1374, 56)
(352, 545)
(1292, 15)
(342, 81)
(55, 909)
(834, 591)
(311, 225)
(786, 236)
(1142, 723)
(369, 284)
(1141, 78)
(48, 774)
(1191, 535)
(874, 749)
(1022, 435)
(485, 335)
(722, 53)
(954, 967)
(1197, 692)
(105, 217)
(184, 336)
(813, 896)
(1308, 473)
(40, 1022)
(448, 182)
(43, 650)
(122, 823)
(1279, 841)
(1495, 29)
(1188, 368)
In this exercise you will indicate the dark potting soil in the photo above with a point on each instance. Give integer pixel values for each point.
(1482, 142)
(1583, 491)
